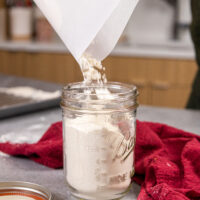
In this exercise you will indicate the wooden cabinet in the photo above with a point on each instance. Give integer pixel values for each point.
(161, 82)
(130, 70)
(59, 68)
(49, 67)
(12, 63)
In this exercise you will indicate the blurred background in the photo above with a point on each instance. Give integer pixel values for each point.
(155, 51)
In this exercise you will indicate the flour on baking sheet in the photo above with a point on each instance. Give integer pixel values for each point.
(30, 92)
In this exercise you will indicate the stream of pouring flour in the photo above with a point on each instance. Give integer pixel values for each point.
(92, 70)
(94, 73)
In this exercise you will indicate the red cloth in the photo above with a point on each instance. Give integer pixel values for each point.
(47, 151)
(167, 160)
(167, 163)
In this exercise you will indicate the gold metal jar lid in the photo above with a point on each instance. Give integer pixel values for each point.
(23, 191)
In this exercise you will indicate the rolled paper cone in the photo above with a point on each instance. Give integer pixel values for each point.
(85, 26)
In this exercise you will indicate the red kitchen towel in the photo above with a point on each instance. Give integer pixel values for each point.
(167, 160)
(167, 163)
(47, 151)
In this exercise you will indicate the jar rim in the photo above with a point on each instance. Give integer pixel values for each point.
(117, 89)
(75, 96)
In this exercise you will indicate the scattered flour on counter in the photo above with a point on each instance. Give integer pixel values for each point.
(3, 154)
(35, 127)
(20, 138)
(29, 92)
(42, 119)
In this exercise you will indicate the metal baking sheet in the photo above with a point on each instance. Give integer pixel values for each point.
(11, 105)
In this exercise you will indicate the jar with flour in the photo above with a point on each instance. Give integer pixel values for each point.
(99, 124)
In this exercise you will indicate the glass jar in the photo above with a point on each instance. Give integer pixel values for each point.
(99, 124)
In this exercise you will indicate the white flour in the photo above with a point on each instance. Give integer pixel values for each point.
(92, 70)
(29, 92)
(97, 157)
(28, 134)
(3, 155)
(20, 137)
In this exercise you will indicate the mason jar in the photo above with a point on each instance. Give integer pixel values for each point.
(99, 129)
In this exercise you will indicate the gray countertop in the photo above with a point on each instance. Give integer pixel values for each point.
(30, 127)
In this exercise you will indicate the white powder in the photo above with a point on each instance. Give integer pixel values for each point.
(29, 92)
(3, 155)
(20, 138)
(28, 134)
(92, 70)
(98, 158)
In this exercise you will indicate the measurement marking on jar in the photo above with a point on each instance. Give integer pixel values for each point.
(118, 179)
